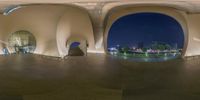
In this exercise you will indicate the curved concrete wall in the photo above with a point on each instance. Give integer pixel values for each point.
(194, 35)
(41, 21)
(3, 29)
(46, 22)
(74, 23)
(123, 11)
(53, 25)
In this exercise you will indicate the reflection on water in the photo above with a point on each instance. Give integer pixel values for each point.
(147, 59)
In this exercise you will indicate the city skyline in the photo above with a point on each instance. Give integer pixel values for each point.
(146, 46)
(146, 28)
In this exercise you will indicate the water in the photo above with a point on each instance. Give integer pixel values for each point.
(147, 59)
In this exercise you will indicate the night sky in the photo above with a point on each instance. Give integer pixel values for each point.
(74, 44)
(146, 28)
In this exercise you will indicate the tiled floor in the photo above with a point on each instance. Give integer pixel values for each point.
(97, 77)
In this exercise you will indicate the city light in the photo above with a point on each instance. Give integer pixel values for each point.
(144, 53)
(146, 37)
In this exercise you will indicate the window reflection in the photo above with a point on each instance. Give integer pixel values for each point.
(22, 42)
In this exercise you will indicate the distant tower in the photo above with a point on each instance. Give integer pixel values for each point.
(175, 46)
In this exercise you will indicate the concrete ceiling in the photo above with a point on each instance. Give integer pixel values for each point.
(191, 6)
(98, 9)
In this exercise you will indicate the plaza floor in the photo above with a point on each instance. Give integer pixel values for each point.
(97, 77)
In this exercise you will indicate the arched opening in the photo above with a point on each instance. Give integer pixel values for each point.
(77, 47)
(22, 42)
(75, 50)
(76, 23)
(146, 37)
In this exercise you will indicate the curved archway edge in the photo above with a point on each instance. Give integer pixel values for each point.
(118, 13)
(82, 41)
(30, 37)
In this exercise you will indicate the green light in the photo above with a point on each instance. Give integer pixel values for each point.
(146, 54)
(125, 53)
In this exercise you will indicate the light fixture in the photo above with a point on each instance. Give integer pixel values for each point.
(10, 9)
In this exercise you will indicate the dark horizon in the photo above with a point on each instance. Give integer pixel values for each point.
(145, 27)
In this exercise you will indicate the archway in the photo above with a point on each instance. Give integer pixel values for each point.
(146, 37)
(76, 24)
(77, 47)
(22, 42)
(75, 50)
(118, 12)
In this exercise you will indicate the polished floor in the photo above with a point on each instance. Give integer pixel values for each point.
(97, 77)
